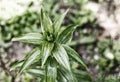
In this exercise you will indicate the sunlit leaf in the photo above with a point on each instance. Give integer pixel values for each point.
(33, 38)
(51, 72)
(16, 65)
(61, 78)
(46, 22)
(66, 35)
(59, 20)
(74, 55)
(37, 72)
(30, 59)
(61, 56)
(66, 75)
(46, 51)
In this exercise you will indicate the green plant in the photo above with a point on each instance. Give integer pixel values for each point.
(27, 22)
(111, 78)
(50, 59)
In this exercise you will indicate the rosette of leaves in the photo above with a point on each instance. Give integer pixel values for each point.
(50, 59)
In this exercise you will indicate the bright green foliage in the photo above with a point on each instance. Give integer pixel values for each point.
(52, 54)
(33, 38)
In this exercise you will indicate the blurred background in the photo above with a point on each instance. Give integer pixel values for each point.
(97, 38)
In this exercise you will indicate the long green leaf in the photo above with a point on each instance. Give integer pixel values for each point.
(59, 21)
(16, 65)
(61, 56)
(66, 75)
(51, 73)
(66, 35)
(33, 38)
(46, 51)
(36, 72)
(46, 22)
(30, 59)
(74, 55)
(61, 78)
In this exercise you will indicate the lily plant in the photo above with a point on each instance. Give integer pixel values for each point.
(50, 60)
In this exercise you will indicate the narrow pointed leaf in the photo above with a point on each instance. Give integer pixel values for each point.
(37, 72)
(66, 35)
(46, 22)
(61, 56)
(16, 65)
(59, 21)
(33, 38)
(46, 51)
(74, 55)
(61, 78)
(51, 73)
(30, 59)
